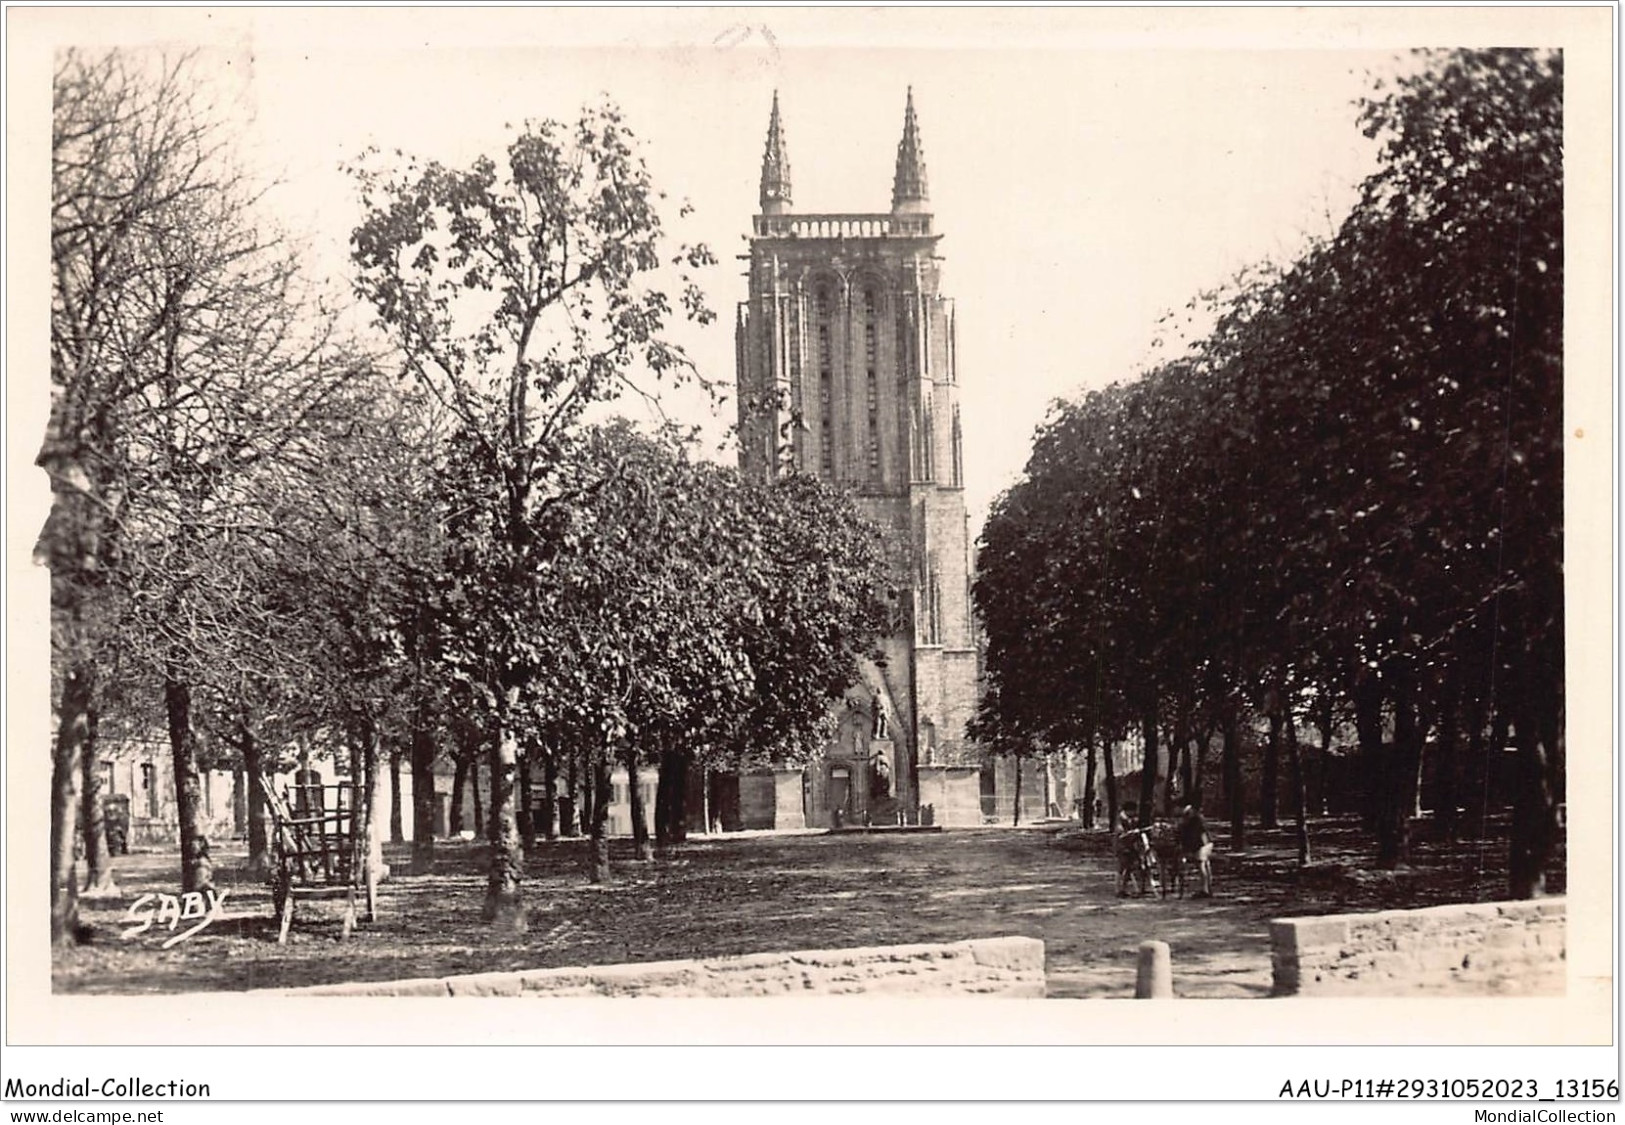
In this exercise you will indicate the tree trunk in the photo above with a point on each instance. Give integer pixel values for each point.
(1323, 721)
(1268, 814)
(1089, 785)
(1399, 797)
(73, 722)
(599, 788)
(480, 819)
(459, 791)
(1111, 784)
(1187, 772)
(423, 794)
(1534, 814)
(422, 744)
(1148, 768)
(1551, 734)
(378, 811)
(1411, 749)
(504, 905)
(665, 783)
(588, 788)
(1234, 795)
(1179, 736)
(679, 797)
(634, 798)
(550, 794)
(360, 797)
(259, 812)
(1485, 748)
(1300, 795)
(98, 861)
(572, 782)
(1016, 818)
(1381, 765)
(1446, 795)
(1416, 760)
(197, 868)
(525, 817)
(1373, 761)
(1199, 767)
(397, 824)
(239, 803)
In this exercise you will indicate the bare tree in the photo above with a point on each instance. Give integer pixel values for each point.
(187, 356)
(126, 152)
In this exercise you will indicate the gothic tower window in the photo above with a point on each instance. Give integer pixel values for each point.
(928, 441)
(905, 339)
(930, 617)
(871, 360)
(925, 339)
(958, 451)
(798, 418)
(936, 608)
(826, 379)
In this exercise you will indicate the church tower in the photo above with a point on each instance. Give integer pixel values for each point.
(847, 370)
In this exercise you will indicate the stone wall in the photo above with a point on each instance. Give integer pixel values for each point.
(954, 794)
(771, 799)
(1501, 948)
(1009, 967)
(1032, 790)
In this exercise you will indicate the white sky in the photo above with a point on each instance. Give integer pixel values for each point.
(1083, 190)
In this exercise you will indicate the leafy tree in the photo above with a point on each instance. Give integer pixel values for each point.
(825, 587)
(518, 294)
(698, 616)
(1464, 222)
(1349, 491)
(635, 586)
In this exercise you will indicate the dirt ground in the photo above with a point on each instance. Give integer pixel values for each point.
(747, 893)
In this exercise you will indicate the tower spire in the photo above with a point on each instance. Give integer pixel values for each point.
(909, 191)
(775, 166)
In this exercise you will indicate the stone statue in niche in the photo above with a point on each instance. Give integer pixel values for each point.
(880, 780)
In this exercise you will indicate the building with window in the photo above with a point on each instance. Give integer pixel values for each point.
(847, 369)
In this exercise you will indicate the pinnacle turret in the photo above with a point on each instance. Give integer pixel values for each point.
(775, 166)
(909, 191)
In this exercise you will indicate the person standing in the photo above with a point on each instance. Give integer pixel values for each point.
(1195, 843)
(1129, 846)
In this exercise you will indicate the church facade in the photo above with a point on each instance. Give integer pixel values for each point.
(848, 371)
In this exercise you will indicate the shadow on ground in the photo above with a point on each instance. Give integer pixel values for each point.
(724, 895)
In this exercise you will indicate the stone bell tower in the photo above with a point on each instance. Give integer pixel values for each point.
(847, 370)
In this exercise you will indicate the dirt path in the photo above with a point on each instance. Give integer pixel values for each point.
(743, 894)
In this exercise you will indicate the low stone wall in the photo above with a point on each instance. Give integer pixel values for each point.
(1008, 967)
(1500, 948)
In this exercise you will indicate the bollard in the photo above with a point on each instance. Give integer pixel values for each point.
(1154, 978)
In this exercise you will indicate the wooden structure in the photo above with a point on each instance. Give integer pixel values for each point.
(319, 844)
